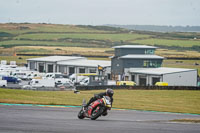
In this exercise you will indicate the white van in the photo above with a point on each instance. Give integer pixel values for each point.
(21, 75)
(50, 75)
(3, 83)
(35, 75)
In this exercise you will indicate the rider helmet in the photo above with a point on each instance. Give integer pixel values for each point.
(109, 92)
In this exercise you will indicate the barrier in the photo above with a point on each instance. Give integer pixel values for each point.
(113, 87)
(138, 87)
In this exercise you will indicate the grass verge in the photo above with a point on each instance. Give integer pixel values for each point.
(153, 100)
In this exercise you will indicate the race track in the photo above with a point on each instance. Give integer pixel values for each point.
(32, 119)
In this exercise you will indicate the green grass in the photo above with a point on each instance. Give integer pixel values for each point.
(12, 43)
(156, 100)
(190, 64)
(19, 59)
(165, 42)
(90, 36)
(181, 43)
(14, 28)
(95, 36)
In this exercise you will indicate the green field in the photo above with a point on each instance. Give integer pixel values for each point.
(190, 64)
(153, 100)
(57, 39)
(94, 36)
(13, 43)
(91, 36)
(167, 42)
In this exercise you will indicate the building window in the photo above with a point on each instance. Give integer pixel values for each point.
(149, 51)
(92, 70)
(133, 78)
(71, 70)
(41, 67)
(151, 64)
(32, 65)
(62, 69)
(50, 68)
(81, 70)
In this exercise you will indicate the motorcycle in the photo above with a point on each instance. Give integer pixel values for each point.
(96, 108)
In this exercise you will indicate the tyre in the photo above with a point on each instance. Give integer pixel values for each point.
(96, 112)
(81, 114)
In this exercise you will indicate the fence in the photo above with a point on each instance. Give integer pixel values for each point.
(138, 87)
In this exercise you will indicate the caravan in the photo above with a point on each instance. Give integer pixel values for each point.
(42, 83)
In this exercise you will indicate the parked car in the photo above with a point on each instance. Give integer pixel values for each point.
(130, 83)
(65, 85)
(59, 81)
(161, 84)
(11, 79)
(84, 82)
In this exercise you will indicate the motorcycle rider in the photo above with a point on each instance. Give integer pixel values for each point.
(109, 92)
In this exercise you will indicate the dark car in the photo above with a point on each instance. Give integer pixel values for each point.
(11, 79)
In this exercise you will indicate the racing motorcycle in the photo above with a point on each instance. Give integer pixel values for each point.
(96, 108)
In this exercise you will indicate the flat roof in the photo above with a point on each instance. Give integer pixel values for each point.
(88, 63)
(141, 56)
(135, 46)
(159, 71)
(56, 58)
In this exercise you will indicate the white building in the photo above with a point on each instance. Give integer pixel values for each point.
(67, 64)
(173, 76)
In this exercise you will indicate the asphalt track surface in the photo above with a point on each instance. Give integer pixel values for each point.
(32, 119)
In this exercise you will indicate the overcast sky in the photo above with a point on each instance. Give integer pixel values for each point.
(99, 12)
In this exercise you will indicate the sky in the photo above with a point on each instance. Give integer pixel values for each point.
(100, 12)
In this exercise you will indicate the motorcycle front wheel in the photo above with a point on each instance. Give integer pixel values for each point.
(81, 114)
(96, 112)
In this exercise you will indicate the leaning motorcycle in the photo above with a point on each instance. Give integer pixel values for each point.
(96, 108)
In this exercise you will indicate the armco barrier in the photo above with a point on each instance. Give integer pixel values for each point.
(138, 87)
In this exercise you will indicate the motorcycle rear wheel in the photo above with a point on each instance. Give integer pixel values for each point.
(96, 112)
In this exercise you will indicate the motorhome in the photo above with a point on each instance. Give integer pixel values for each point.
(42, 83)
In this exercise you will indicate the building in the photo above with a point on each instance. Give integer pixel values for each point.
(173, 76)
(49, 64)
(83, 66)
(67, 64)
(139, 63)
(133, 56)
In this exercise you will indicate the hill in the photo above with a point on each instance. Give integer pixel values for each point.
(156, 28)
(14, 35)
